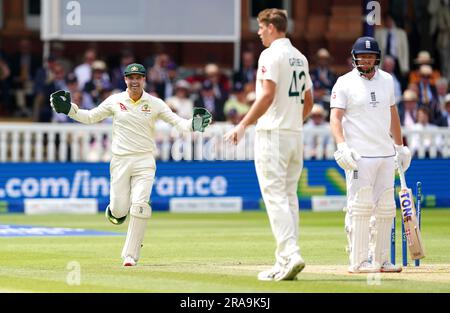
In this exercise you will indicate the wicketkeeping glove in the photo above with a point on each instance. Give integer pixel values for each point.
(346, 158)
(201, 119)
(403, 155)
(60, 101)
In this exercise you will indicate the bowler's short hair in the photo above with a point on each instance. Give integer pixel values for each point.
(276, 17)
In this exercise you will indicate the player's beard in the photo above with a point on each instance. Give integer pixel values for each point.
(367, 71)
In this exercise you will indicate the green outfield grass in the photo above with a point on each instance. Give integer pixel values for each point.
(208, 253)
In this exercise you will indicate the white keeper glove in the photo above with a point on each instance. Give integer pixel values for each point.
(403, 155)
(346, 157)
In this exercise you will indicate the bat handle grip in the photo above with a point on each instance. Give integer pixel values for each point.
(401, 174)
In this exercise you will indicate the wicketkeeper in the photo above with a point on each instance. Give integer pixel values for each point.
(132, 166)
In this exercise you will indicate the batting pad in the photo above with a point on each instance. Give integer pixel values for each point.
(360, 240)
(384, 212)
(139, 216)
(383, 240)
(360, 212)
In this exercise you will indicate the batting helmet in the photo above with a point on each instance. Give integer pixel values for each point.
(365, 45)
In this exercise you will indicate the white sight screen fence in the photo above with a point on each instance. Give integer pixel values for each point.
(141, 20)
(42, 142)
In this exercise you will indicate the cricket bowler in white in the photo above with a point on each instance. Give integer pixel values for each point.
(132, 166)
(366, 126)
(283, 99)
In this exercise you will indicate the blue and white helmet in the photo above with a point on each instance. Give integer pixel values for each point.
(365, 45)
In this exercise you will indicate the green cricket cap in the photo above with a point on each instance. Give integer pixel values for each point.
(134, 68)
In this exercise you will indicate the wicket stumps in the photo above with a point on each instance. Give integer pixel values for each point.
(419, 210)
(404, 243)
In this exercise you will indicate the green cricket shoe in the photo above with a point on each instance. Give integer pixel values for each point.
(112, 219)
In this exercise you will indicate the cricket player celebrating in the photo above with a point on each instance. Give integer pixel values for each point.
(283, 99)
(363, 119)
(132, 165)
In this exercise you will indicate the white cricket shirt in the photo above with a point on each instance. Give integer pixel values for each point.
(283, 64)
(367, 117)
(133, 122)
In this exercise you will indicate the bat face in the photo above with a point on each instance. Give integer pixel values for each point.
(406, 204)
(412, 231)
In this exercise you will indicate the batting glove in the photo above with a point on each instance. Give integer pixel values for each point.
(60, 101)
(201, 119)
(346, 157)
(403, 155)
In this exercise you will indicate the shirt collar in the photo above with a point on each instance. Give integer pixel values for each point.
(375, 77)
(145, 96)
(279, 42)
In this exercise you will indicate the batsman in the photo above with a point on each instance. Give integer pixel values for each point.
(132, 166)
(366, 126)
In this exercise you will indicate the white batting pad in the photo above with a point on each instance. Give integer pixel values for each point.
(139, 215)
(383, 240)
(384, 212)
(386, 204)
(360, 240)
(360, 210)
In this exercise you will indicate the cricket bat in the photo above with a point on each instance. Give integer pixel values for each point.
(409, 216)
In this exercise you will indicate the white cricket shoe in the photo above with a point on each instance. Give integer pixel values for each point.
(269, 275)
(129, 261)
(289, 270)
(364, 267)
(388, 267)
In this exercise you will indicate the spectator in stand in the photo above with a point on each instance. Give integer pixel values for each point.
(220, 82)
(72, 84)
(117, 81)
(236, 106)
(247, 71)
(84, 70)
(72, 87)
(440, 28)
(322, 76)
(57, 50)
(172, 76)
(44, 74)
(389, 66)
(441, 89)
(445, 119)
(428, 94)
(413, 87)
(97, 84)
(424, 143)
(42, 111)
(314, 144)
(5, 72)
(157, 76)
(423, 58)
(393, 41)
(180, 103)
(24, 65)
(407, 109)
(211, 102)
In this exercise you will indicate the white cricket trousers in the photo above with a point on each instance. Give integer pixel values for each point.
(377, 173)
(279, 162)
(132, 179)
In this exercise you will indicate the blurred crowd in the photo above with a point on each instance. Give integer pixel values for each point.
(26, 83)
(421, 88)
